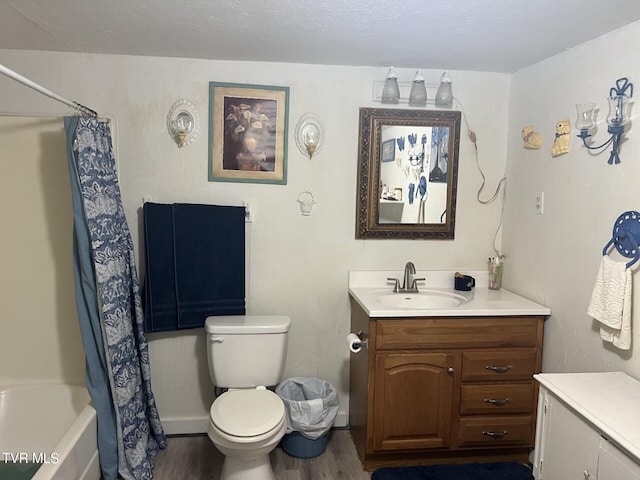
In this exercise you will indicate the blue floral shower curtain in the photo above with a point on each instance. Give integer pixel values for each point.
(110, 309)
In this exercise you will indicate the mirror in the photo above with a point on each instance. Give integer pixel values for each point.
(408, 173)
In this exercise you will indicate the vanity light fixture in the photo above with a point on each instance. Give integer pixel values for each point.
(619, 96)
(391, 91)
(309, 135)
(183, 123)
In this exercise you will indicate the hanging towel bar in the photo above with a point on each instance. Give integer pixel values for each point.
(626, 236)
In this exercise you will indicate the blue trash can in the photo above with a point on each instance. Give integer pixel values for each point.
(311, 406)
(299, 446)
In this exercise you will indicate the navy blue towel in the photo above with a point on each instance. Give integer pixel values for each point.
(195, 264)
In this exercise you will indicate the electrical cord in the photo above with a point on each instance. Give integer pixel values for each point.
(502, 184)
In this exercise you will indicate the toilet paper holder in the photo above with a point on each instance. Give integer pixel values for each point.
(361, 343)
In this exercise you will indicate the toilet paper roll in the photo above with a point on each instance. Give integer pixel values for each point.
(352, 338)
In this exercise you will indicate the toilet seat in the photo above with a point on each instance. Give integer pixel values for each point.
(247, 413)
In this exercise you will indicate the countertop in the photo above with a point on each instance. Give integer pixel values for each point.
(609, 401)
(366, 286)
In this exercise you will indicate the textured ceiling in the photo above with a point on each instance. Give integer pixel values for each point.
(480, 35)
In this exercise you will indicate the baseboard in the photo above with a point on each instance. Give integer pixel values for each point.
(185, 425)
(342, 420)
(197, 425)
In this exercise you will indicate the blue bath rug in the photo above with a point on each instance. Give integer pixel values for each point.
(466, 471)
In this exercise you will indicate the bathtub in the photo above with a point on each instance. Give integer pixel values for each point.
(51, 424)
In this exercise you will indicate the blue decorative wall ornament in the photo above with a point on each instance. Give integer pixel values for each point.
(626, 236)
(619, 96)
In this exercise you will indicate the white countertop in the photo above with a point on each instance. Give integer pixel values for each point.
(366, 286)
(609, 401)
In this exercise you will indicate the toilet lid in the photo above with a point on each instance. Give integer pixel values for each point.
(247, 413)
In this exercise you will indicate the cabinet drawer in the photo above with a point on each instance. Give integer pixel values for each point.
(495, 399)
(493, 365)
(456, 332)
(495, 431)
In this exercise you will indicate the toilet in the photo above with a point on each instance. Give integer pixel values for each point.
(246, 354)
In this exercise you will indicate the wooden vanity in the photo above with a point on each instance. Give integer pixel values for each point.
(444, 389)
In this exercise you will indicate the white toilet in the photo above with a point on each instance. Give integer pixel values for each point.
(246, 354)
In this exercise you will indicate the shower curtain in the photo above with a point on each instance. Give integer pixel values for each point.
(110, 309)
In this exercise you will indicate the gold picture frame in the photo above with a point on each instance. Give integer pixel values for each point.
(248, 127)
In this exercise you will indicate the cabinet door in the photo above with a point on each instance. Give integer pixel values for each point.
(569, 446)
(413, 394)
(615, 465)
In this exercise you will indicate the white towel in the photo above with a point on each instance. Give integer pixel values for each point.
(611, 302)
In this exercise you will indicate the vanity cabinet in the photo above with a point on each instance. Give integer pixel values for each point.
(444, 389)
(588, 427)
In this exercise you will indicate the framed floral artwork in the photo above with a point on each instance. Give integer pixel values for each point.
(248, 127)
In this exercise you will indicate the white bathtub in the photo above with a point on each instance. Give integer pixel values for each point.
(52, 424)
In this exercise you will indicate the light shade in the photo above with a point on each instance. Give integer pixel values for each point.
(444, 95)
(391, 90)
(418, 94)
(618, 110)
(585, 119)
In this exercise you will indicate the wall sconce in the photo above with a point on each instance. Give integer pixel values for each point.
(183, 123)
(391, 90)
(618, 116)
(309, 135)
(444, 95)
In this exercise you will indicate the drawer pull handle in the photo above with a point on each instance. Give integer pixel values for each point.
(495, 434)
(493, 368)
(499, 402)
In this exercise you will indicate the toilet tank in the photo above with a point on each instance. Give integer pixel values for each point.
(246, 351)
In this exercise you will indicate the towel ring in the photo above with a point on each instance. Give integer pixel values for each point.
(626, 232)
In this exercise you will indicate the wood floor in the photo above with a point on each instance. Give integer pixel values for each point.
(195, 458)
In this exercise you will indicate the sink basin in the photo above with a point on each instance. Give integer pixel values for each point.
(424, 300)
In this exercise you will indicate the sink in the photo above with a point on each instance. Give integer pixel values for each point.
(424, 300)
(373, 293)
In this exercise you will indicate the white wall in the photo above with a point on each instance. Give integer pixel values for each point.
(297, 265)
(554, 258)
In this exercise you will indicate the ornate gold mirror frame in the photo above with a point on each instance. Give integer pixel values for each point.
(408, 173)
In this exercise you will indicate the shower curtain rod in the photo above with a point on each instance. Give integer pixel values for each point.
(39, 88)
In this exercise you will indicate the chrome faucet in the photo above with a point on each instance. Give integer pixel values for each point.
(409, 272)
(409, 284)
